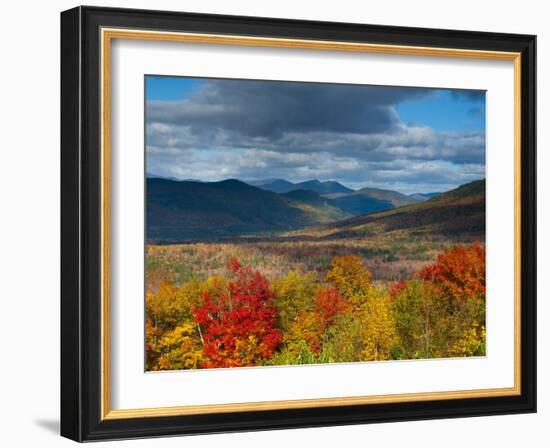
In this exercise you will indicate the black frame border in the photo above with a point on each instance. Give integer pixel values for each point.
(81, 224)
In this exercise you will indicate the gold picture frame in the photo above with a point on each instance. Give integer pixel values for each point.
(107, 30)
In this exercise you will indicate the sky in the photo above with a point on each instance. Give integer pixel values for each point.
(412, 140)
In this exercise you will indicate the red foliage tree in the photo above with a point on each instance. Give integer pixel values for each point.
(397, 287)
(310, 326)
(459, 273)
(238, 325)
(329, 305)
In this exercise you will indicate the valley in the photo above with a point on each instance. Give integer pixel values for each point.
(394, 243)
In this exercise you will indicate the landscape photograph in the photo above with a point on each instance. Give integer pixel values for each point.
(291, 223)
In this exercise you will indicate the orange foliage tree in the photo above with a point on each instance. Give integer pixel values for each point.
(441, 313)
(458, 273)
(330, 305)
(309, 326)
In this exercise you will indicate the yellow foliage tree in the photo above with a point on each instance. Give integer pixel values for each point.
(471, 342)
(351, 278)
(305, 328)
(169, 311)
(180, 348)
(378, 326)
(294, 294)
(374, 333)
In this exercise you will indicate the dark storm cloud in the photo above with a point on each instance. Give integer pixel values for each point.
(299, 131)
(267, 109)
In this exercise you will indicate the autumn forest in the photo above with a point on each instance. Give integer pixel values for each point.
(242, 319)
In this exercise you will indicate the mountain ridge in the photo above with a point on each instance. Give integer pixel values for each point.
(370, 200)
(188, 210)
(285, 186)
(460, 211)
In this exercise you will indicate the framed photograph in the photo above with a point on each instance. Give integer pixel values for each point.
(277, 224)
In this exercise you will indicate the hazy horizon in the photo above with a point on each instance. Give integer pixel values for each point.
(250, 182)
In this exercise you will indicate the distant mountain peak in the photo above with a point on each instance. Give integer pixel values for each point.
(284, 186)
(312, 181)
(231, 181)
(326, 187)
(275, 185)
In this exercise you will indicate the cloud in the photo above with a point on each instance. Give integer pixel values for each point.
(298, 131)
(403, 174)
(268, 109)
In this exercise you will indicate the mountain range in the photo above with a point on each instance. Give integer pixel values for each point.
(193, 210)
(189, 210)
(284, 186)
(458, 212)
(368, 200)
